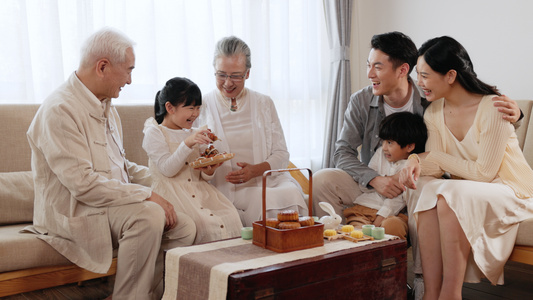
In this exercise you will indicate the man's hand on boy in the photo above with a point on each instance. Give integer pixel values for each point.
(508, 107)
(388, 186)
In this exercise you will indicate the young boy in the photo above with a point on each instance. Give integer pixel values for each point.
(401, 133)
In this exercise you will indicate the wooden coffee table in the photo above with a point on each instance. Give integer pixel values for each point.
(375, 271)
(337, 270)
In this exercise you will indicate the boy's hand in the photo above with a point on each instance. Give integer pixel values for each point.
(387, 186)
(379, 219)
(396, 176)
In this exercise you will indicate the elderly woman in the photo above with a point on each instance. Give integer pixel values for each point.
(247, 124)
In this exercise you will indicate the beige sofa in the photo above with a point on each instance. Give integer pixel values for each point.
(523, 250)
(27, 263)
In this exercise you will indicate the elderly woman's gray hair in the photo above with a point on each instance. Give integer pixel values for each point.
(230, 46)
(105, 43)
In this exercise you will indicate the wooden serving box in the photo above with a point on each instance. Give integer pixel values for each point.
(286, 240)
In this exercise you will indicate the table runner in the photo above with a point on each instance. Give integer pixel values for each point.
(201, 272)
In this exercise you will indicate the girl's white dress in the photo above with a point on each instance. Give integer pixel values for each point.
(496, 196)
(186, 188)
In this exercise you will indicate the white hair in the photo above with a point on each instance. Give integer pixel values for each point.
(105, 43)
(231, 46)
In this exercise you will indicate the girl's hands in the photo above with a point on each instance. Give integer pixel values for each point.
(198, 137)
(210, 170)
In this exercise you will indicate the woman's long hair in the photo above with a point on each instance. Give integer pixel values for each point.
(444, 53)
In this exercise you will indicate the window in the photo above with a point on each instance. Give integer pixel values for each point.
(290, 57)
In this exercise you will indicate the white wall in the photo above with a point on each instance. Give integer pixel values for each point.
(498, 35)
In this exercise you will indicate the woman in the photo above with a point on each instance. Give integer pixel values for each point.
(247, 124)
(466, 225)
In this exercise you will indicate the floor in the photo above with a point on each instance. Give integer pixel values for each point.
(518, 285)
(95, 289)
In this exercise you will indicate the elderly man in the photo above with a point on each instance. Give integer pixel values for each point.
(248, 125)
(89, 199)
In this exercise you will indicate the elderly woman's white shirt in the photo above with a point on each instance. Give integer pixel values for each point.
(265, 134)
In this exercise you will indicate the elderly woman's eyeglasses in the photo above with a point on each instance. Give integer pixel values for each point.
(234, 77)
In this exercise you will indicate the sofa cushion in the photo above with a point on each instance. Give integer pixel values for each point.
(525, 236)
(16, 197)
(525, 131)
(16, 119)
(24, 250)
(132, 118)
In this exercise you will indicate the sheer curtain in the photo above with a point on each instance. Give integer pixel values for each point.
(290, 57)
(338, 20)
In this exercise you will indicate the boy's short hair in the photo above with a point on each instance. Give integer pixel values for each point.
(405, 128)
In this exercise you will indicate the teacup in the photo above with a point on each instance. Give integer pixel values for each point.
(247, 233)
(378, 233)
(367, 229)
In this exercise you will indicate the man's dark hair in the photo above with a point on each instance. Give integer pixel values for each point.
(399, 47)
(405, 128)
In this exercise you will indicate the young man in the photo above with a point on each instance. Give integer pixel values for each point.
(390, 61)
(89, 199)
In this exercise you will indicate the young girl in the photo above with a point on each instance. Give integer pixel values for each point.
(171, 144)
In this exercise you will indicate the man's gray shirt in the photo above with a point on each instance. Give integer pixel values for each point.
(361, 128)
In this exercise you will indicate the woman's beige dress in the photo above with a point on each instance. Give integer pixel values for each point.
(488, 212)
